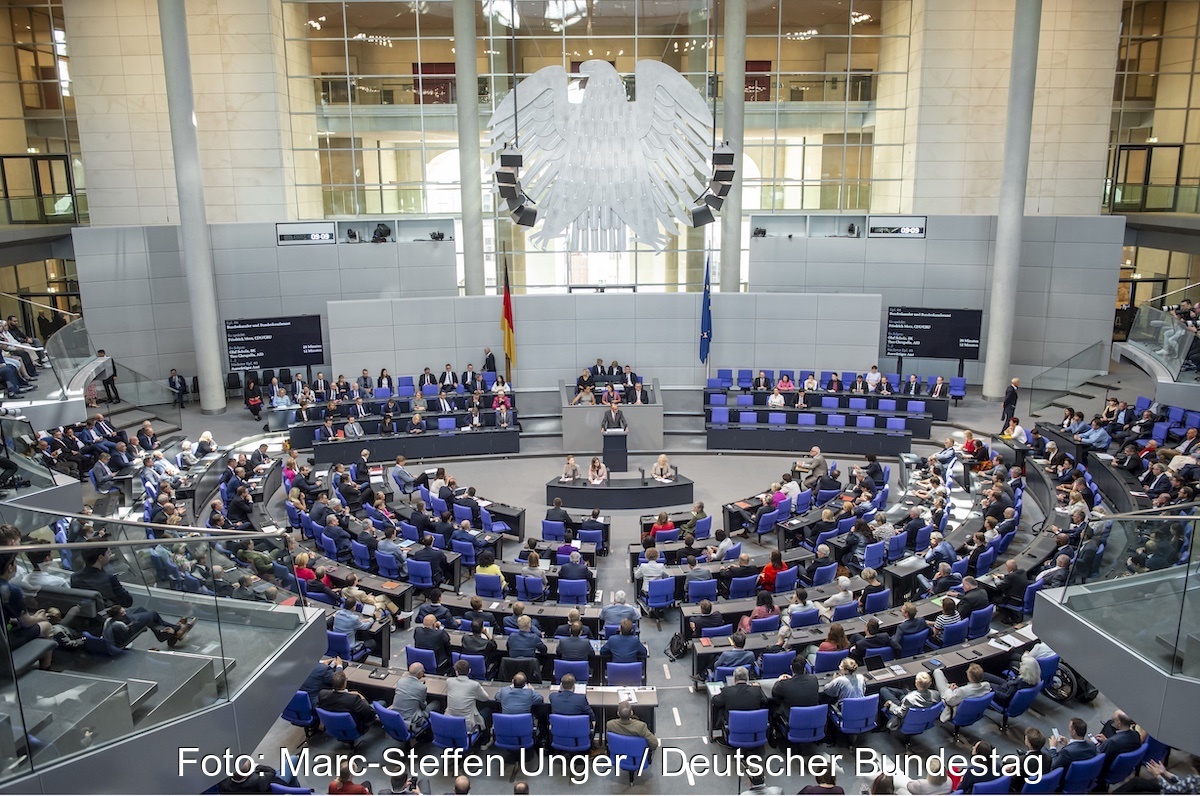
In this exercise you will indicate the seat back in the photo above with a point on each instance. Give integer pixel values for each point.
(1049, 667)
(824, 574)
(715, 632)
(449, 732)
(629, 674)
(661, 593)
(1081, 775)
(577, 668)
(923, 534)
(575, 592)
(1124, 764)
(733, 552)
(805, 618)
(912, 643)
(874, 555)
(339, 725)
(918, 720)
(667, 536)
(464, 549)
(829, 661)
(361, 554)
(858, 714)
(1031, 596)
(878, 601)
(846, 611)
(703, 528)
(420, 574)
(530, 588)
(392, 722)
(747, 729)
(388, 567)
(1047, 784)
(766, 624)
(971, 710)
(488, 586)
(786, 581)
(743, 587)
(1022, 700)
(513, 731)
(570, 733)
(807, 725)
(980, 622)
(954, 633)
(720, 415)
(776, 663)
(983, 564)
(462, 513)
(698, 590)
(299, 710)
(427, 658)
(553, 530)
(895, 547)
(747, 418)
(627, 752)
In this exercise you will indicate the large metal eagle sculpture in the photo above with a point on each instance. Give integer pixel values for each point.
(602, 164)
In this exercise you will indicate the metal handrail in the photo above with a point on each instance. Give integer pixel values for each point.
(1173, 292)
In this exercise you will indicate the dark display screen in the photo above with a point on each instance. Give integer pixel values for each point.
(257, 343)
(933, 333)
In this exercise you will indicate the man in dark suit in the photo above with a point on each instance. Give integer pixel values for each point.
(468, 501)
(434, 557)
(629, 378)
(445, 403)
(557, 513)
(574, 647)
(939, 389)
(797, 690)
(565, 702)
(1035, 743)
(637, 396)
(972, 599)
(489, 361)
(463, 534)
(432, 636)
(449, 379)
(320, 387)
(1076, 747)
(708, 617)
(598, 369)
(1117, 737)
(575, 569)
(467, 379)
(339, 699)
(121, 457)
(526, 642)
(870, 643)
(762, 381)
(1011, 587)
(420, 520)
(823, 559)
(178, 386)
(1009, 407)
(339, 535)
(625, 647)
(241, 509)
(911, 625)
(739, 696)
(426, 378)
(614, 417)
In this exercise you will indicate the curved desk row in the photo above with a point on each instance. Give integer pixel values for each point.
(621, 493)
(431, 444)
(938, 408)
(831, 439)
(921, 425)
(303, 435)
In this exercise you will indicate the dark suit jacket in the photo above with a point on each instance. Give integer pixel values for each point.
(473, 505)
(625, 649)
(762, 383)
(834, 385)
(939, 390)
(580, 571)
(795, 692)
(436, 559)
(569, 703)
(911, 388)
(1012, 587)
(574, 649)
(427, 638)
(1075, 750)
(1121, 742)
(740, 696)
(613, 422)
(972, 601)
(348, 702)
(1010, 398)
(558, 515)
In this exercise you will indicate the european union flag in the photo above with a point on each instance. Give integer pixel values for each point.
(706, 314)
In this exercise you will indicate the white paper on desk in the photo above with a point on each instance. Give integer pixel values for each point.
(576, 543)
(663, 480)
(494, 606)
(995, 643)
(581, 688)
(483, 503)
(1027, 632)
(599, 595)
(627, 695)
(1011, 639)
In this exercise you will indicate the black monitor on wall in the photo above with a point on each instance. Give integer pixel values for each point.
(933, 333)
(257, 343)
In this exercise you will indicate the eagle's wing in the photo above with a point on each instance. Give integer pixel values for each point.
(539, 105)
(674, 126)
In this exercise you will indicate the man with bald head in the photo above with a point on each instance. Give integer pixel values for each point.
(411, 698)
(432, 636)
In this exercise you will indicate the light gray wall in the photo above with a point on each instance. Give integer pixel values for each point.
(657, 333)
(1069, 271)
(136, 301)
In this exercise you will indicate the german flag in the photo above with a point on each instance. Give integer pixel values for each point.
(506, 325)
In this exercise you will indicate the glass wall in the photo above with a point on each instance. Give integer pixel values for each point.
(372, 98)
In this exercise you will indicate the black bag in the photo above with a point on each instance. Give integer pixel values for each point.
(678, 647)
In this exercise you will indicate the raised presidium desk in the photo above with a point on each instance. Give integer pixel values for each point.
(886, 442)
(993, 651)
(432, 443)
(620, 493)
(379, 683)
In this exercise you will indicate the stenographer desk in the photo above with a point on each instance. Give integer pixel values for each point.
(620, 493)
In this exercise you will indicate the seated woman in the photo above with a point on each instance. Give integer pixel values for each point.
(586, 380)
(501, 386)
(785, 384)
(501, 400)
(873, 585)
(388, 426)
(662, 468)
(764, 608)
(661, 523)
(597, 473)
(835, 641)
(385, 381)
(303, 572)
(948, 616)
(532, 569)
(609, 396)
(418, 403)
(342, 388)
(205, 445)
(849, 684)
(971, 447)
(571, 470)
(775, 399)
(416, 425)
(253, 399)
(766, 578)
(586, 397)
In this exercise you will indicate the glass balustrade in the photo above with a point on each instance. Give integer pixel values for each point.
(139, 626)
(1162, 336)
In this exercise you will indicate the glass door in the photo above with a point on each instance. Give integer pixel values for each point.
(37, 189)
(1146, 178)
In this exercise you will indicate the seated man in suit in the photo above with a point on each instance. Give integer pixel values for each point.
(637, 395)
(575, 569)
(973, 598)
(557, 513)
(796, 690)
(463, 534)
(739, 696)
(762, 381)
(870, 643)
(518, 698)
(1011, 588)
(708, 617)
(340, 699)
(912, 386)
(511, 622)
(432, 636)
(435, 558)
(625, 647)
(823, 559)
(340, 537)
(565, 702)
(574, 647)
(468, 500)
(1077, 747)
(1118, 736)
(738, 656)
(525, 643)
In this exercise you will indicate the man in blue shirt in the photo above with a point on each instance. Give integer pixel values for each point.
(1096, 438)
(348, 620)
(512, 622)
(625, 647)
(525, 643)
(940, 550)
(618, 611)
(518, 698)
(739, 655)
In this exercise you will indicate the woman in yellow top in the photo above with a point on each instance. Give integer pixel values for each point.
(485, 564)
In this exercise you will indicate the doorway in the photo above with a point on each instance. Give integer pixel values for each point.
(1131, 294)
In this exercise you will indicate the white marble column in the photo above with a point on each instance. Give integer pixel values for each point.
(193, 221)
(733, 131)
(1002, 306)
(466, 80)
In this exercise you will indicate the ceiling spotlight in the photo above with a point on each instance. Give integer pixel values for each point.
(714, 201)
(524, 216)
(701, 215)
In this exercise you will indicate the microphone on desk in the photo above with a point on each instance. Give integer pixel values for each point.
(642, 470)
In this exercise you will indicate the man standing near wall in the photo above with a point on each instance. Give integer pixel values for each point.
(1009, 407)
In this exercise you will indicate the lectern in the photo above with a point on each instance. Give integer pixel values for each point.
(616, 450)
